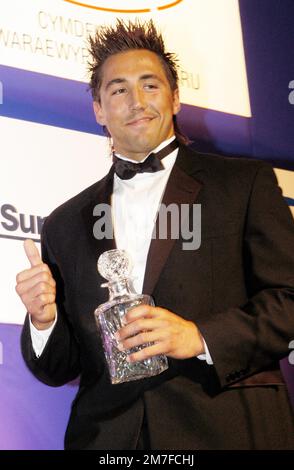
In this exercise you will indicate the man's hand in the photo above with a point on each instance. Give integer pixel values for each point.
(36, 288)
(171, 334)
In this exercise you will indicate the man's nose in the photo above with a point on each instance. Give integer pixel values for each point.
(137, 99)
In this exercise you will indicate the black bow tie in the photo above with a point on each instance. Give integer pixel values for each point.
(125, 170)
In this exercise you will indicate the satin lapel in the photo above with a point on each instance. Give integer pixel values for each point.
(181, 189)
(101, 196)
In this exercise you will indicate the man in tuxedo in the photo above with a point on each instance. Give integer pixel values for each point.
(224, 311)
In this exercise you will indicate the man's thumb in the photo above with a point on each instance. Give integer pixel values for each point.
(32, 252)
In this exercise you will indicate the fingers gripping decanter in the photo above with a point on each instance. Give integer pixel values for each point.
(115, 266)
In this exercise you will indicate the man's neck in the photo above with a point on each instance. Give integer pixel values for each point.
(144, 156)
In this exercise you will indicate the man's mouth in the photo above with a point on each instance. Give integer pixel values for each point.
(140, 121)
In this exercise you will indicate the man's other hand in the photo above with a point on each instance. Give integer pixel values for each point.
(37, 289)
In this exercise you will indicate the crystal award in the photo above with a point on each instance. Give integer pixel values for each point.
(115, 266)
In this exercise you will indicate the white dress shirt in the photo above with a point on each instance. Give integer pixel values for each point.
(135, 203)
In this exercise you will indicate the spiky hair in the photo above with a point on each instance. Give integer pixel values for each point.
(125, 36)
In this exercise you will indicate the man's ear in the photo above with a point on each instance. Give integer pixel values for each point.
(99, 113)
(176, 101)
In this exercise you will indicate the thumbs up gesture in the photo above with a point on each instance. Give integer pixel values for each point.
(37, 289)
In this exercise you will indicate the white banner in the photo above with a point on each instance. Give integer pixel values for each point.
(50, 36)
(41, 167)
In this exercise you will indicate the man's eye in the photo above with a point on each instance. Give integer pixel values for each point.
(150, 86)
(119, 91)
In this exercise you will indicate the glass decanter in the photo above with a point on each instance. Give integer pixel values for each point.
(115, 266)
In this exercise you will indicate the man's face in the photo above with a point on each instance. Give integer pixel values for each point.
(136, 102)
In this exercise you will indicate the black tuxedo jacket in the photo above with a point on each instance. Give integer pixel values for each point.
(238, 287)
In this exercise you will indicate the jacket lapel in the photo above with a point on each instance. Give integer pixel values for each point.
(101, 195)
(181, 188)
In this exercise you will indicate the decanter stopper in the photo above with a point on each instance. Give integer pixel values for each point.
(114, 265)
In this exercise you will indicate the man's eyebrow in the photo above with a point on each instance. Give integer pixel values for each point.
(147, 76)
(114, 81)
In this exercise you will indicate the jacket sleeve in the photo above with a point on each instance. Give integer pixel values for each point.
(253, 337)
(59, 363)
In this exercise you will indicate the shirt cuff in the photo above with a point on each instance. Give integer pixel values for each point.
(206, 356)
(40, 337)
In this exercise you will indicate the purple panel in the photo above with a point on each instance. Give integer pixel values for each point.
(32, 415)
(42, 98)
(213, 131)
(268, 35)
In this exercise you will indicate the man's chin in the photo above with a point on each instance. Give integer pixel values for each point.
(143, 147)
